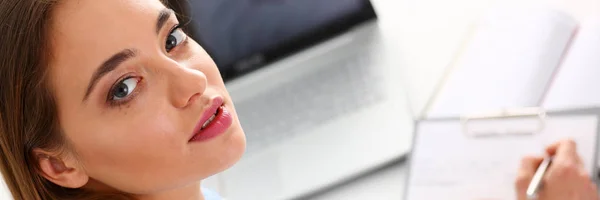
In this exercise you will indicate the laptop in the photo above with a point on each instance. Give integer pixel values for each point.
(315, 88)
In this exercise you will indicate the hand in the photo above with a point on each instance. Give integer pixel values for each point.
(565, 179)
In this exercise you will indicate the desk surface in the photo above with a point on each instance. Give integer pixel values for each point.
(384, 184)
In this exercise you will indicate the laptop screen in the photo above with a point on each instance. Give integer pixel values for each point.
(243, 35)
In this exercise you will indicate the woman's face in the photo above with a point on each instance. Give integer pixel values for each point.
(132, 90)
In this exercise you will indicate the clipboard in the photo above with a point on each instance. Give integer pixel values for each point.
(457, 158)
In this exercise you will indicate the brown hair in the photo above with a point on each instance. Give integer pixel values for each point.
(28, 113)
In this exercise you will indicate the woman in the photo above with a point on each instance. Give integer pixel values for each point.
(109, 100)
(565, 179)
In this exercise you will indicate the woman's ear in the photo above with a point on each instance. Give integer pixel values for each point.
(62, 170)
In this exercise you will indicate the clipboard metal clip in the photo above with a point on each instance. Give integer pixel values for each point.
(520, 121)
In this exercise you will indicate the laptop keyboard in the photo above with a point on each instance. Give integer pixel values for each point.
(309, 101)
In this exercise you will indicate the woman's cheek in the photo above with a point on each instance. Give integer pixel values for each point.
(158, 130)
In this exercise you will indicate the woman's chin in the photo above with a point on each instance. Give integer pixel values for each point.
(238, 141)
(236, 147)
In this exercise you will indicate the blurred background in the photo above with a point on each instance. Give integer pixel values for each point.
(329, 91)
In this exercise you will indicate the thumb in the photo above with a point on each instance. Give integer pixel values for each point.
(525, 174)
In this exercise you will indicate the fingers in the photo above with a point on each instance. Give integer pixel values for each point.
(567, 147)
(567, 169)
(563, 169)
(531, 163)
(566, 160)
(528, 167)
(565, 177)
(564, 152)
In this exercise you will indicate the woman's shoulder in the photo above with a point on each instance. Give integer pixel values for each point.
(211, 195)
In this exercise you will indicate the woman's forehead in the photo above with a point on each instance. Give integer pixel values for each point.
(107, 25)
(85, 33)
(93, 17)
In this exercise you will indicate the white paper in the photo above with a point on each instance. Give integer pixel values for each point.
(578, 79)
(448, 165)
(508, 62)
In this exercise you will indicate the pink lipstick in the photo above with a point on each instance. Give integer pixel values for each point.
(215, 121)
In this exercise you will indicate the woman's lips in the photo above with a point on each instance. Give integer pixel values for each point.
(221, 121)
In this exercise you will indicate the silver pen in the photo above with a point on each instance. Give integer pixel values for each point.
(536, 181)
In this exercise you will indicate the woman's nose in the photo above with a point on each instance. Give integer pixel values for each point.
(184, 85)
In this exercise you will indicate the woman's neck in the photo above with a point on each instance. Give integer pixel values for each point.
(190, 192)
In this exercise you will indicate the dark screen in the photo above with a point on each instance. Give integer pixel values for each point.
(233, 30)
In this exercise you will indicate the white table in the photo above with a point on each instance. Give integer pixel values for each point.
(384, 184)
(427, 33)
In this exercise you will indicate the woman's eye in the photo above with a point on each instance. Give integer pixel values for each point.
(124, 88)
(175, 39)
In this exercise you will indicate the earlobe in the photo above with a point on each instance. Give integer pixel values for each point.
(61, 171)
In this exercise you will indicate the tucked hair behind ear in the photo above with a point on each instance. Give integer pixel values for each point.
(28, 117)
(28, 113)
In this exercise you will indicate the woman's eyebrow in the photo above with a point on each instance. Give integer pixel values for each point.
(114, 61)
(107, 66)
(163, 17)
